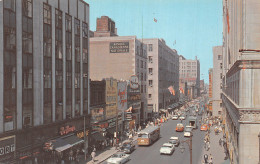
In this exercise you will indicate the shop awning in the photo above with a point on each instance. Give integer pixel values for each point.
(163, 110)
(63, 143)
(98, 137)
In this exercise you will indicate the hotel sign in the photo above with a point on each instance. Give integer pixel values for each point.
(119, 47)
(7, 148)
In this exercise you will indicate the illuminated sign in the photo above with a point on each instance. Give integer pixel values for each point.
(119, 47)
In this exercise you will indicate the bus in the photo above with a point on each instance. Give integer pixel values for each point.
(148, 135)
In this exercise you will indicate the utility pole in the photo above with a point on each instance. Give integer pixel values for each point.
(116, 126)
(85, 151)
(189, 142)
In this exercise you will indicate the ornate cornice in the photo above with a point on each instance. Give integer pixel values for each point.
(249, 116)
(243, 64)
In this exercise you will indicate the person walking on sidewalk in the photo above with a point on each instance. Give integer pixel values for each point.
(210, 159)
(220, 142)
(93, 155)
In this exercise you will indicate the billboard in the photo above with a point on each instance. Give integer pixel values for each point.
(122, 95)
(111, 98)
(7, 148)
(119, 47)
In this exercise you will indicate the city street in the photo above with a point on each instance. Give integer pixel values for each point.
(150, 154)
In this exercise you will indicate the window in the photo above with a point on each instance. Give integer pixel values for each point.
(150, 71)
(150, 58)
(221, 65)
(47, 14)
(149, 96)
(220, 75)
(137, 63)
(9, 4)
(144, 65)
(150, 83)
(27, 8)
(142, 77)
(220, 104)
(219, 57)
(150, 47)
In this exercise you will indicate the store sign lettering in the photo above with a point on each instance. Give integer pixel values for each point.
(67, 129)
(81, 134)
(7, 149)
(119, 47)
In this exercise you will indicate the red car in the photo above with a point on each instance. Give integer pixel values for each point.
(204, 127)
(179, 127)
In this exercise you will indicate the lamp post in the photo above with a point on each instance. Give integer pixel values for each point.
(189, 142)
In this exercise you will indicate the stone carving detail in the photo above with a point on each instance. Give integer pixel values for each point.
(249, 115)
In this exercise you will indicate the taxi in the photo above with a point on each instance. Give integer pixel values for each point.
(204, 127)
(179, 127)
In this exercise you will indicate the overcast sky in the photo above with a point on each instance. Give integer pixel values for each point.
(195, 25)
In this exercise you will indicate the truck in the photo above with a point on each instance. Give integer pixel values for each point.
(192, 121)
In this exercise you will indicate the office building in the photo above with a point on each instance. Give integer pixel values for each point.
(163, 75)
(241, 76)
(120, 57)
(217, 81)
(43, 76)
(189, 80)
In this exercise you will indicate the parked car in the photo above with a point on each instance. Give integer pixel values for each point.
(175, 141)
(118, 158)
(204, 127)
(188, 131)
(128, 147)
(179, 127)
(175, 117)
(182, 117)
(167, 148)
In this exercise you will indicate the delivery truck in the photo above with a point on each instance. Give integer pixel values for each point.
(192, 121)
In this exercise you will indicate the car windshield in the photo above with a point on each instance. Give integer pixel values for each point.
(188, 129)
(164, 146)
(126, 145)
(116, 156)
(173, 141)
(143, 135)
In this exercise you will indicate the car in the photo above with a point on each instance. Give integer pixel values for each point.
(175, 117)
(118, 158)
(128, 147)
(188, 131)
(182, 117)
(167, 148)
(179, 127)
(204, 127)
(175, 141)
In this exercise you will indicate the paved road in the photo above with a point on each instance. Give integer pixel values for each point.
(150, 154)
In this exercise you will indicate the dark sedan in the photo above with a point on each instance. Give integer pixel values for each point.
(128, 147)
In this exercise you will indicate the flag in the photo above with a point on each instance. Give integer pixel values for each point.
(155, 20)
(228, 26)
(171, 90)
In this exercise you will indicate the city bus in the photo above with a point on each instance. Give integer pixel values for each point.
(148, 135)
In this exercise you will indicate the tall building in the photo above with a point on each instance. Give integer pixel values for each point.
(163, 73)
(120, 57)
(43, 75)
(210, 92)
(217, 81)
(189, 80)
(241, 94)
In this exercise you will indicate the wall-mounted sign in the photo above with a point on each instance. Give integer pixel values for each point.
(122, 95)
(134, 97)
(134, 83)
(119, 47)
(7, 148)
(67, 129)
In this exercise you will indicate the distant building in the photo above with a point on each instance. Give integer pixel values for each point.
(43, 77)
(105, 27)
(202, 86)
(163, 72)
(241, 76)
(189, 79)
(217, 81)
(210, 91)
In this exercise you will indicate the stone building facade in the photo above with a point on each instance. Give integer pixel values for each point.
(43, 72)
(241, 76)
(217, 81)
(163, 72)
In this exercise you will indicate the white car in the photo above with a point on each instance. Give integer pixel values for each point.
(188, 131)
(118, 158)
(175, 141)
(167, 148)
(175, 117)
(182, 118)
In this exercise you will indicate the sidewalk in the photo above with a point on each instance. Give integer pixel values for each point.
(101, 157)
(215, 150)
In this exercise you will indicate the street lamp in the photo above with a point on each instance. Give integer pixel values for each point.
(189, 142)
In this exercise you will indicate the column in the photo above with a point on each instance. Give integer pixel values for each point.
(53, 64)
(73, 68)
(64, 64)
(1, 69)
(19, 117)
(81, 71)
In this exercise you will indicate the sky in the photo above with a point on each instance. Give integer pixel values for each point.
(194, 25)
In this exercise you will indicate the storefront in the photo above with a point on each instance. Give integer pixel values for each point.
(27, 146)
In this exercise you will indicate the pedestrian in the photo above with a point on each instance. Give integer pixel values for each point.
(210, 159)
(208, 146)
(205, 158)
(93, 155)
(220, 142)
